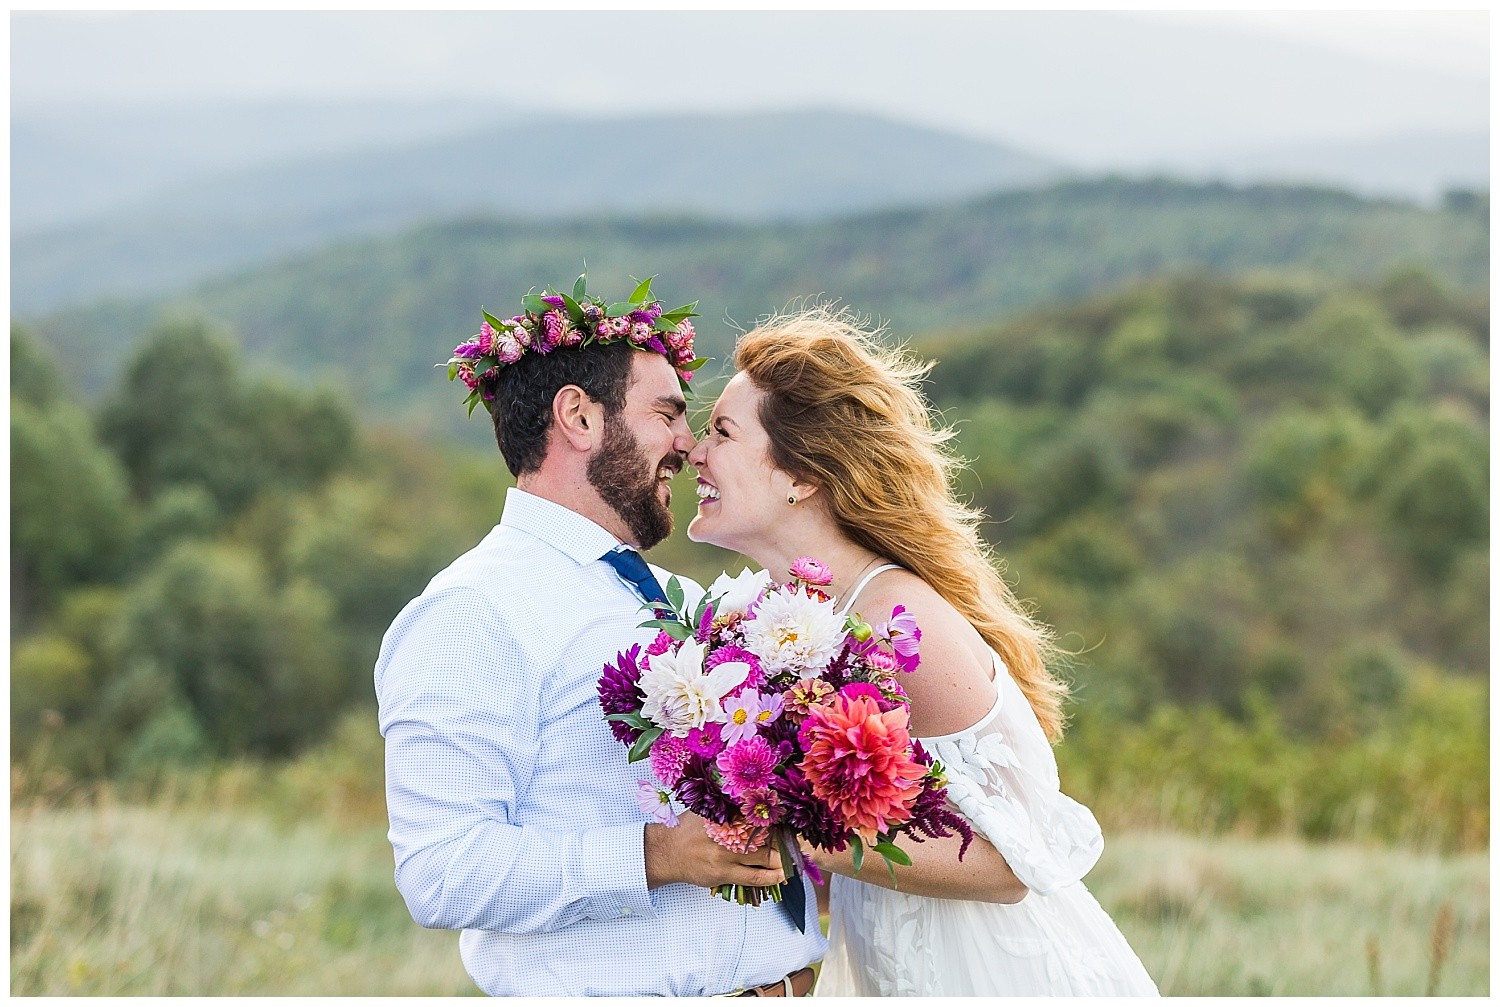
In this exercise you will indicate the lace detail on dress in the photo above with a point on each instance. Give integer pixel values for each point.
(1049, 839)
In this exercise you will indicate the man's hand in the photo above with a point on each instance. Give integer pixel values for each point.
(687, 854)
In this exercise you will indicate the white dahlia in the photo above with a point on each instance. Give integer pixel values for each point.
(736, 594)
(679, 696)
(791, 631)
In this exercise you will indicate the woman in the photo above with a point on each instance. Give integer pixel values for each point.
(822, 446)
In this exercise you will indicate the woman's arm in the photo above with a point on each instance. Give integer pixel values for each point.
(935, 871)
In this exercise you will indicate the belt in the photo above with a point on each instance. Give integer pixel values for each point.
(797, 984)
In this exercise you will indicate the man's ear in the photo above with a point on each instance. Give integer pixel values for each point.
(578, 419)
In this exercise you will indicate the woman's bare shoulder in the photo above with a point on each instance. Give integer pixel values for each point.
(953, 687)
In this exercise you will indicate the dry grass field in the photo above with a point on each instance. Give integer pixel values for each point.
(199, 897)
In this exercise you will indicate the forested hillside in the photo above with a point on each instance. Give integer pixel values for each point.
(371, 317)
(1255, 509)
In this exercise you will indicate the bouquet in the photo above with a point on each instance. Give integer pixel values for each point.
(773, 717)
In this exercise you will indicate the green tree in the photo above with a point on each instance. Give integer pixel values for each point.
(69, 508)
(251, 664)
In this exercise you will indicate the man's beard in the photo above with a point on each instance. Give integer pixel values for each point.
(626, 479)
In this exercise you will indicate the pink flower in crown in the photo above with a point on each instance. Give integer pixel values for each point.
(681, 338)
(522, 331)
(750, 765)
(669, 756)
(640, 333)
(572, 336)
(684, 374)
(682, 357)
(466, 375)
(549, 335)
(507, 348)
(810, 571)
(655, 802)
(486, 337)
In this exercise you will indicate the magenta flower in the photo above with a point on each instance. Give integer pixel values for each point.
(655, 802)
(855, 690)
(486, 337)
(620, 691)
(810, 571)
(661, 644)
(707, 741)
(553, 299)
(669, 758)
(904, 635)
(750, 765)
(469, 350)
(466, 375)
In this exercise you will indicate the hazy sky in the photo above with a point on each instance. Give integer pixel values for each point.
(1094, 88)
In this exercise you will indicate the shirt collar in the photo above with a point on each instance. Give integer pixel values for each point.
(566, 530)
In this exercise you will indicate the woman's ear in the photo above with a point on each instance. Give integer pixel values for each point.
(578, 418)
(801, 491)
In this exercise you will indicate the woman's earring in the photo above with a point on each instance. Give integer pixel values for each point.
(791, 498)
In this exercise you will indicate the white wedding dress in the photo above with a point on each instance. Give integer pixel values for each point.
(1058, 940)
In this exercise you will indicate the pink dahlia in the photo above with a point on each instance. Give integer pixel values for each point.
(739, 836)
(750, 765)
(859, 763)
(661, 644)
(669, 757)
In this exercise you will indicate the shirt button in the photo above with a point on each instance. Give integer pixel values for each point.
(625, 911)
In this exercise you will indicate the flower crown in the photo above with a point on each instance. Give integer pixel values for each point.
(554, 320)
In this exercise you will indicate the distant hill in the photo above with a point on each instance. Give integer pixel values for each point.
(372, 316)
(772, 166)
(71, 163)
(1420, 165)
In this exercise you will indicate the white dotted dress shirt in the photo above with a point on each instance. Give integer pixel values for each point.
(513, 810)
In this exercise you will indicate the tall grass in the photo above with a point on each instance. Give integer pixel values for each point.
(182, 898)
(205, 890)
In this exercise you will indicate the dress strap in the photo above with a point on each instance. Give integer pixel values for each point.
(848, 604)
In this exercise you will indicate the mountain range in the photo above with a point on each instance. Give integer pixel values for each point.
(371, 316)
(134, 203)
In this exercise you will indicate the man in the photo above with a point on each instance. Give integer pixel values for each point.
(513, 810)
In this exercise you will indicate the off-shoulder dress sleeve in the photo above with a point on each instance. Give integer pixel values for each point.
(1003, 780)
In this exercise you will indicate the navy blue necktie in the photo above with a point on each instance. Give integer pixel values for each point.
(629, 565)
(794, 902)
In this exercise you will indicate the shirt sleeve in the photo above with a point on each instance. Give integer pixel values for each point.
(460, 712)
